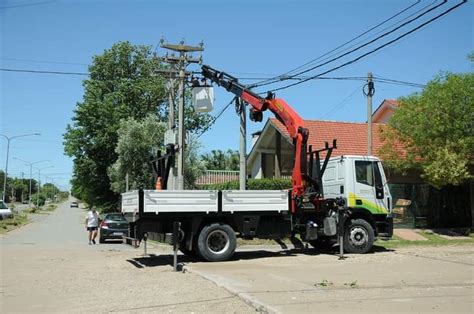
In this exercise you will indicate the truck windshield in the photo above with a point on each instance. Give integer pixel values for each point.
(2, 205)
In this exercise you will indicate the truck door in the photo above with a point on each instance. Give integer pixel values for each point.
(368, 187)
(382, 193)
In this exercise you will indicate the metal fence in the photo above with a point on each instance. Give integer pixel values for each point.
(217, 176)
(421, 205)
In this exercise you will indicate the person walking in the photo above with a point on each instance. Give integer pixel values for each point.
(92, 223)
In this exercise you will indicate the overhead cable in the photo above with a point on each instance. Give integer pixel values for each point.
(277, 78)
(374, 50)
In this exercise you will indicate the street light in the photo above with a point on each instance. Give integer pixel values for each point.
(9, 138)
(39, 183)
(31, 173)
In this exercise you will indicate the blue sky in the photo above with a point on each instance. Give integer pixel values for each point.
(245, 38)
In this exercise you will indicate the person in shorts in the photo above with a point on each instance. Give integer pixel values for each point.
(92, 223)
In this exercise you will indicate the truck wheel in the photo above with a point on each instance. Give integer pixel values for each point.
(358, 237)
(216, 242)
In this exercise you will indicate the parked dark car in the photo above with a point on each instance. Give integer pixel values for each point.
(113, 226)
(74, 204)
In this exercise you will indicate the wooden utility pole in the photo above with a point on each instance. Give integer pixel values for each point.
(182, 61)
(369, 94)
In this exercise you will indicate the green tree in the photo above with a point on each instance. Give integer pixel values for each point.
(49, 190)
(193, 165)
(436, 130)
(20, 188)
(123, 84)
(221, 160)
(137, 145)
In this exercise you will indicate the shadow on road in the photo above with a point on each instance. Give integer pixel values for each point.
(153, 260)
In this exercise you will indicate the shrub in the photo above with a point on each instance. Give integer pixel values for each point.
(38, 199)
(252, 184)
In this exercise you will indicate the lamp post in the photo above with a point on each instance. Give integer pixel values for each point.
(39, 183)
(31, 173)
(9, 138)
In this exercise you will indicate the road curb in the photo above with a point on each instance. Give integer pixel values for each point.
(257, 305)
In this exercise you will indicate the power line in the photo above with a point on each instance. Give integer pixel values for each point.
(352, 78)
(27, 4)
(42, 61)
(363, 45)
(214, 119)
(43, 72)
(344, 44)
(396, 82)
(341, 104)
(374, 50)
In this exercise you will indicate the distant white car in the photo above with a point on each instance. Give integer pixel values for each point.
(5, 212)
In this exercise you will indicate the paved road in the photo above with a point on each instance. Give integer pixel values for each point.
(48, 266)
(417, 280)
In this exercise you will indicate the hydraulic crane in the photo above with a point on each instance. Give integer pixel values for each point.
(306, 187)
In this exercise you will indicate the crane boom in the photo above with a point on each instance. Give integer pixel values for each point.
(282, 111)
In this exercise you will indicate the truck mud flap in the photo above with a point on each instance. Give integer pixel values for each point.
(131, 241)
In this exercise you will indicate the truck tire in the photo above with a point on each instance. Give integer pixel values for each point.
(216, 242)
(358, 237)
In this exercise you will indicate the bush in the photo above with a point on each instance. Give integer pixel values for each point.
(51, 207)
(38, 199)
(252, 184)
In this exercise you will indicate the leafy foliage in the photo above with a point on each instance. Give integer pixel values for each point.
(193, 166)
(137, 145)
(38, 199)
(49, 190)
(221, 160)
(122, 85)
(436, 130)
(252, 184)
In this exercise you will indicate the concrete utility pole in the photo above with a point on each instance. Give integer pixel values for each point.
(182, 62)
(369, 94)
(243, 144)
(39, 183)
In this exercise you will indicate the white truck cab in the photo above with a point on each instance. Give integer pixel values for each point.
(361, 181)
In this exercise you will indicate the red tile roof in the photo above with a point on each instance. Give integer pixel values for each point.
(384, 111)
(351, 137)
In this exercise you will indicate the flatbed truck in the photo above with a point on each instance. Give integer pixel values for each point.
(343, 198)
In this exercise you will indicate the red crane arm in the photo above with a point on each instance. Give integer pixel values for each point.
(282, 111)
